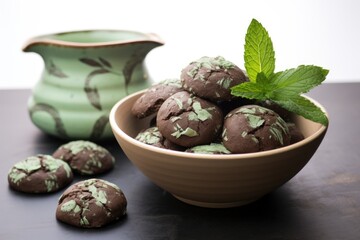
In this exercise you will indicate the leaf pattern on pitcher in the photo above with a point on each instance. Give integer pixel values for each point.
(136, 58)
(54, 70)
(105, 62)
(102, 66)
(53, 112)
(90, 62)
(99, 127)
(92, 92)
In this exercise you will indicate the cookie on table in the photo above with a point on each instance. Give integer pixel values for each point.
(40, 174)
(253, 128)
(86, 158)
(152, 136)
(187, 120)
(212, 78)
(152, 99)
(91, 203)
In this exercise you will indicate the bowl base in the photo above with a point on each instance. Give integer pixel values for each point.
(214, 204)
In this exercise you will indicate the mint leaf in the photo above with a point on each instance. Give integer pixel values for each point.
(259, 54)
(284, 88)
(249, 90)
(262, 79)
(299, 80)
(254, 90)
(302, 106)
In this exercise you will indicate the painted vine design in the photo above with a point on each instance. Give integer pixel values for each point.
(136, 58)
(103, 66)
(53, 112)
(97, 129)
(54, 70)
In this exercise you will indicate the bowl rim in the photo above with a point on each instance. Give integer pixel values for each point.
(117, 130)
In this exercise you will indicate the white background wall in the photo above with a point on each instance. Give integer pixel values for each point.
(320, 32)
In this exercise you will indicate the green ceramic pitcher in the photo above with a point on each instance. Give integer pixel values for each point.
(85, 74)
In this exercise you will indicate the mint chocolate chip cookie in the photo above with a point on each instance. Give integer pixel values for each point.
(152, 99)
(212, 78)
(91, 203)
(40, 174)
(187, 120)
(86, 158)
(252, 128)
(152, 136)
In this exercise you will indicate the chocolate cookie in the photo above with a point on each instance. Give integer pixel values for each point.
(295, 133)
(85, 157)
(227, 106)
(283, 113)
(152, 99)
(188, 120)
(212, 148)
(40, 174)
(212, 78)
(91, 203)
(152, 136)
(252, 128)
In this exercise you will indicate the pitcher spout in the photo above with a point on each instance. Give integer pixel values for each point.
(155, 38)
(92, 38)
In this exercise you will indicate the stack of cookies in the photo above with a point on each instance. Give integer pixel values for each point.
(197, 113)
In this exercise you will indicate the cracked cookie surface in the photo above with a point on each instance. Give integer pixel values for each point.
(152, 99)
(91, 203)
(85, 157)
(252, 128)
(40, 174)
(187, 120)
(212, 78)
(152, 136)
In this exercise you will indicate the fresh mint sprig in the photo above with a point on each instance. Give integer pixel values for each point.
(259, 53)
(284, 88)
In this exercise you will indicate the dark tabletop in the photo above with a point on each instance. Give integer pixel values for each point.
(321, 202)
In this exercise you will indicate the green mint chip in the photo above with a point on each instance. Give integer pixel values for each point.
(187, 132)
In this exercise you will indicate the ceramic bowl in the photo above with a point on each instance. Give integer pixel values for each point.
(216, 181)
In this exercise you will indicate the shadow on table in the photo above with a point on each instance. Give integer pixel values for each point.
(275, 217)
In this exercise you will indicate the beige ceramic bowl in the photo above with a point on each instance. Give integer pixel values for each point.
(213, 180)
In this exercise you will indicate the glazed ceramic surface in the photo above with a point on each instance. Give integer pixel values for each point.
(213, 180)
(85, 74)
